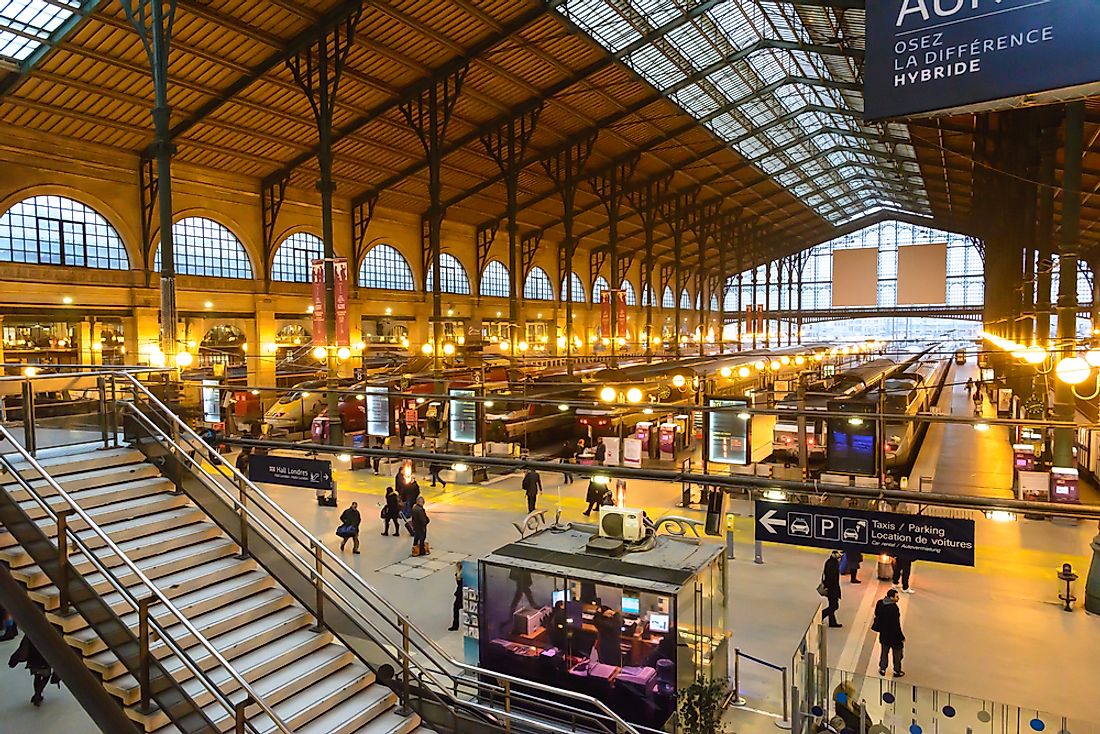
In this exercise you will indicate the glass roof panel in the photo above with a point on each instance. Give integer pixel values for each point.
(25, 25)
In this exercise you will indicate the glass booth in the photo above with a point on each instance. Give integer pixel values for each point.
(629, 630)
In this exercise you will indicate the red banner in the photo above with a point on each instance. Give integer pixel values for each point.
(620, 314)
(317, 268)
(605, 314)
(750, 321)
(343, 328)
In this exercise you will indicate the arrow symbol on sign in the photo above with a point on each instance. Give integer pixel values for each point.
(770, 522)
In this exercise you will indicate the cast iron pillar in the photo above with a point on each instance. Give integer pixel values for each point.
(428, 115)
(802, 260)
(704, 222)
(1067, 277)
(675, 212)
(507, 145)
(153, 21)
(767, 303)
(609, 188)
(566, 169)
(644, 199)
(1044, 234)
(317, 70)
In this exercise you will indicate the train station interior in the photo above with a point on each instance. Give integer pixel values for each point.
(534, 366)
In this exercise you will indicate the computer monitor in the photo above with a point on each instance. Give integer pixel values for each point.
(560, 595)
(658, 622)
(632, 605)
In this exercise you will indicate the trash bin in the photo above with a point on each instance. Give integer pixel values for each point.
(885, 568)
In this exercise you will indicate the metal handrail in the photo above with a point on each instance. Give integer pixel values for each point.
(161, 598)
(278, 513)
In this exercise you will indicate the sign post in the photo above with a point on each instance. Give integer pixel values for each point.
(918, 537)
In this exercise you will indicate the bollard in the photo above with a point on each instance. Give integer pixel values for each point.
(759, 552)
(729, 536)
(738, 699)
(786, 722)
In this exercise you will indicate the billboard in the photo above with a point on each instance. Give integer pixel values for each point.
(922, 274)
(855, 277)
(934, 55)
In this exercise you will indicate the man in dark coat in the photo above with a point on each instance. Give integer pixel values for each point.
(352, 519)
(890, 638)
(419, 521)
(601, 451)
(830, 579)
(594, 495)
(532, 485)
(37, 665)
(850, 563)
(456, 609)
(391, 512)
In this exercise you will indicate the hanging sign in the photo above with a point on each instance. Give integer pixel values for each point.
(317, 271)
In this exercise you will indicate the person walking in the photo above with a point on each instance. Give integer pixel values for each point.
(434, 468)
(37, 665)
(523, 581)
(978, 402)
(532, 485)
(969, 385)
(349, 527)
(601, 451)
(830, 585)
(9, 630)
(457, 608)
(850, 563)
(377, 458)
(903, 566)
(420, 520)
(567, 456)
(391, 511)
(887, 623)
(594, 496)
(242, 461)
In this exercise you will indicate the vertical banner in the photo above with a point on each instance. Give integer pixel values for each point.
(620, 316)
(343, 327)
(317, 268)
(605, 314)
(749, 323)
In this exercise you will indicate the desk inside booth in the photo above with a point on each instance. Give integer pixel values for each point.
(629, 630)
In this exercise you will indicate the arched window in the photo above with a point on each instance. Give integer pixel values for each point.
(685, 300)
(205, 248)
(578, 288)
(598, 288)
(667, 299)
(294, 258)
(713, 302)
(385, 268)
(53, 230)
(452, 276)
(537, 286)
(649, 298)
(629, 295)
(495, 281)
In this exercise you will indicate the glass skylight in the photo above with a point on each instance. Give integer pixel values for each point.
(774, 106)
(25, 25)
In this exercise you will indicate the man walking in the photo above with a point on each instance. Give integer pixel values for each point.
(903, 566)
(349, 523)
(532, 485)
(890, 638)
(456, 609)
(420, 526)
(830, 582)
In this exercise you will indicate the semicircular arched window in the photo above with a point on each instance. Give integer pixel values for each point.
(648, 296)
(452, 276)
(578, 288)
(385, 268)
(629, 294)
(537, 286)
(294, 258)
(494, 280)
(667, 299)
(713, 302)
(598, 289)
(685, 300)
(55, 230)
(206, 248)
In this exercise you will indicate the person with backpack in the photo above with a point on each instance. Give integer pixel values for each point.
(891, 640)
(391, 512)
(349, 528)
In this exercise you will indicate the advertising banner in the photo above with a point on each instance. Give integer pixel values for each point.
(340, 278)
(727, 432)
(378, 411)
(605, 314)
(620, 314)
(933, 55)
(917, 537)
(317, 271)
(463, 416)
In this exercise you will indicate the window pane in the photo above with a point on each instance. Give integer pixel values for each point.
(205, 248)
(628, 293)
(294, 257)
(452, 276)
(537, 286)
(578, 289)
(494, 281)
(54, 230)
(386, 268)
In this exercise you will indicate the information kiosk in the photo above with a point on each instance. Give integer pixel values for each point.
(629, 629)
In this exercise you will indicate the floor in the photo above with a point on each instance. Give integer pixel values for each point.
(994, 632)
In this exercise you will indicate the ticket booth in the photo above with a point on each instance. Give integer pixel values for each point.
(1063, 485)
(629, 630)
(667, 440)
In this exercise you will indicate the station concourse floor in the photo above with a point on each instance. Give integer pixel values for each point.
(995, 631)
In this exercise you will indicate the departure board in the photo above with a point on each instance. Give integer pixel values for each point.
(727, 432)
(463, 416)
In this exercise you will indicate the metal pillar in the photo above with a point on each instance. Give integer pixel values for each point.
(675, 212)
(428, 116)
(802, 260)
(644, 201)
(755, 326)
(317, 71)
(1067, 276)
(507, 145)
(153, 21)
(740, 307)
(566, 168)
(609, 188)
(1044, 235)
(767, 303)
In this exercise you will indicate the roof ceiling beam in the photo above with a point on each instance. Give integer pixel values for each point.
(11, 80)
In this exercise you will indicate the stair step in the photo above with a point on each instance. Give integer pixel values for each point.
(157, 569)
(231, 645)
(60, 461)
(98, 477)
(351, 714)
(192, 591)
(32, 576)
(276, 654)
(99, 497)
(391, 722)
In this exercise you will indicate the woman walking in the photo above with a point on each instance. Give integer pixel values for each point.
(36, 664)
(391, 511)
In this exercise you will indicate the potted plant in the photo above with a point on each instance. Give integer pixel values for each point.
(699, 707)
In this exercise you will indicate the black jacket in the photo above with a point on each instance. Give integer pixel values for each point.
(888, 623)
(419, 519)
(595, 491)
(393, 505)
(350, 517)
(412, 491)
(532, 483)
(830, 576)
(601, 453)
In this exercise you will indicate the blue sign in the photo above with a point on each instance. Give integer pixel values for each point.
(916, 537)
(930, 55)
(292, 472)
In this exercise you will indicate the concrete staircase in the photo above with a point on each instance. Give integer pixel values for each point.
(314, 683)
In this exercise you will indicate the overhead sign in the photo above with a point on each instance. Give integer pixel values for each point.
(463, 416)
(290, 471)
(917, 537)
(340, 298)
(931, 55)
(727, 432)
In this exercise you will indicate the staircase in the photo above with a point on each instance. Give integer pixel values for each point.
(267, 646)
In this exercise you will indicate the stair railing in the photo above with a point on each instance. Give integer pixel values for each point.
(68, 538)
(409, 647)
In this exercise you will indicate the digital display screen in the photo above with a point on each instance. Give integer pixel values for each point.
(560, 595)
(727, 432)
(378, 411)
(851, 448)
(658, 622)
(631, 605)
(463, 416)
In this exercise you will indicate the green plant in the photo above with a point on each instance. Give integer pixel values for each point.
(699, 707)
